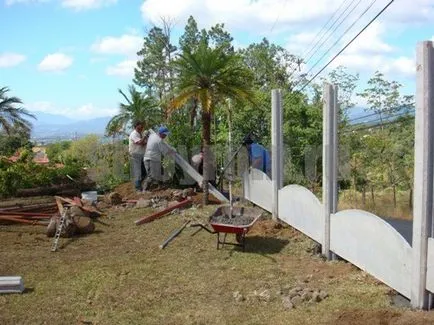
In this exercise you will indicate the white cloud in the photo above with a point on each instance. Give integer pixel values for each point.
(125, 44)
(8, 60)
(81, 112)
(401, 66)
(55, 62)
(86, 4)
(12, 2)
(122, 69)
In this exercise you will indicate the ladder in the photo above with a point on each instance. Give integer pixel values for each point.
(59, 230)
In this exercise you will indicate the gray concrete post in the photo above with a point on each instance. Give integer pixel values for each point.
(423, 172)
(329, 191)
(276, 148)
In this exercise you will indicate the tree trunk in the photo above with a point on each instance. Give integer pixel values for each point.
(364, 195)
(206, 137)
(372, 196)
(394, 195)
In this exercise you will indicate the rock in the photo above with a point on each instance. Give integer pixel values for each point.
(187, 192)
(287, 304)
(316, 297)
(238, 296)
(265, 295)
(297, 300)
(306, 295)
(115, 198)
(142, 203)
(323, 294)
(293, 292)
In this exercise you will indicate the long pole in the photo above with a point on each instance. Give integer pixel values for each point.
(174, 234)
(230, 151)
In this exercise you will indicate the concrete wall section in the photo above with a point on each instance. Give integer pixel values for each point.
(374, 246)
(258, 189)
(430, 266)
(301, 209)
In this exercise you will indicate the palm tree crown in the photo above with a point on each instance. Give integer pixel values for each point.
(137, 108)
(11, 115)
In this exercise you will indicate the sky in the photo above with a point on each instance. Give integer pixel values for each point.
(69, 57)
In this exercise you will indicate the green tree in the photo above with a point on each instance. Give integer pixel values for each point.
(12, 116)
(210, 75)
(138, 107)
(154, 71)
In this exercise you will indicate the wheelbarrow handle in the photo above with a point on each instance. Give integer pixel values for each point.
(202, 227)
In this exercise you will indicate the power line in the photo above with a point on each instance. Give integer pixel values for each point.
(344, 33)
(374, 126)
(314, 46)
(334, 30)
(348, 44)
(373, 114)
(323, 28)
(278, 16)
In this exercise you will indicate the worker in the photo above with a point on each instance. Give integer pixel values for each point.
(153, 155)
(136, 148)
(197, 163)
(259, 157)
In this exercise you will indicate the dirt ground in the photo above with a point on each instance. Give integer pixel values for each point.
(119, 275)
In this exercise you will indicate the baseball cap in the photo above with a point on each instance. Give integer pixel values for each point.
(163, 130)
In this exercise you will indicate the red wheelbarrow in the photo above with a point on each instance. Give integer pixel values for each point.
(237, 220)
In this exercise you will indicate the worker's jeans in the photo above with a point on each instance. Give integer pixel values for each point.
(136, 161)
(153, 173)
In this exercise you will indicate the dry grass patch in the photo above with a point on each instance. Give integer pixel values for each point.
(118, 275)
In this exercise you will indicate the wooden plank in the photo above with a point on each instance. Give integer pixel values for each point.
(162, 213)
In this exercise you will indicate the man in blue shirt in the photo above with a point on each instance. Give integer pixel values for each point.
(259, 157)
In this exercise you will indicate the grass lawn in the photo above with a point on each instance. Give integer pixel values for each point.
(119, 275)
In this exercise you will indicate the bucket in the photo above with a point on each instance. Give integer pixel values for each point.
(91, 196)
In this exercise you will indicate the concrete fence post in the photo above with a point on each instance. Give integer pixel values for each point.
(423, 172)
(329, 170)
(276, 148)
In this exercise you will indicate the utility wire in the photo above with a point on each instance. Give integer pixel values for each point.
(334, 30)
(342, 36)
(278, 16)
(374, 126)
(323, 28)
(327, 31)
(373, 114)
(348, 44)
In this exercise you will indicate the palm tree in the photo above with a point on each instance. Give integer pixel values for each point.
(137, 108)
(12, 117)
(210, 76)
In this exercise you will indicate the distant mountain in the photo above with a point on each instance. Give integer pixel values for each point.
(51, 126)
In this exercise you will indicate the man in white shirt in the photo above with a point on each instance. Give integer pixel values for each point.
(154, 150)
(136, 149)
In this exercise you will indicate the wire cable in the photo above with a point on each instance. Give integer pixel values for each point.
(342, 36)
(348, 44)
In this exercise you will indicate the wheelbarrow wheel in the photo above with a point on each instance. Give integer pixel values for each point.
(239, 238)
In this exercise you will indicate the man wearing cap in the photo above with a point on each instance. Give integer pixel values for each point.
(136, 149)
(154, 150)
(259, 157)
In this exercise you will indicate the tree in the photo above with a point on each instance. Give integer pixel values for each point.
(210, 75)
(138, 107)
(11, 115)
(154, 71)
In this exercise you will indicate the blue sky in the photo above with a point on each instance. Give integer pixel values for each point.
(69, 57)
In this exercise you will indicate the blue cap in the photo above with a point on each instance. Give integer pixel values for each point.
(163, 130)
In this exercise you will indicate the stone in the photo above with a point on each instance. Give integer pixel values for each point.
(316, 297)
(287, 304)
(297, 300)
(306, 295)
(115, 198)
(323, 294)
(142, 203)
(265, 295)
(238, 296)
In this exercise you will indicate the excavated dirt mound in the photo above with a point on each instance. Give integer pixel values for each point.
(383, 317)
(128, 192)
